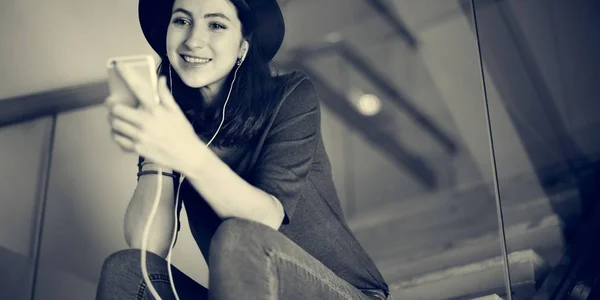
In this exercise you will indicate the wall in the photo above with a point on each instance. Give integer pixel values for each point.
(46, 45)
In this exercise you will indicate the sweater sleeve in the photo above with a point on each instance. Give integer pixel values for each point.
(287, 155)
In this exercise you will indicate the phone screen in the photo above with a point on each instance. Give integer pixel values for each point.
(143, 68)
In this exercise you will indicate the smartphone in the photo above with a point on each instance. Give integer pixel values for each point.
(143, 67)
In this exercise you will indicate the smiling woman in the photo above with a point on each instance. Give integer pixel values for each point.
(261, 202)
(204, 41)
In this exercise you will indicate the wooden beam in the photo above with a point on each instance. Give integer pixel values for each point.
(397, 97)
(371, 128)
(348, 53)
(388, 14)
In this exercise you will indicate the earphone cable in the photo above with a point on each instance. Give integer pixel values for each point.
(176, 218)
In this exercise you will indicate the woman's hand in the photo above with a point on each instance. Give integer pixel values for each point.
(159, 132)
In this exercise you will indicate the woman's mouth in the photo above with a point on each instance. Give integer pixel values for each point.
(195, 61)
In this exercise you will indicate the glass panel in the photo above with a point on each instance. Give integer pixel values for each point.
(91, 181)
(22, 156)
(541, 64)
(405, 129)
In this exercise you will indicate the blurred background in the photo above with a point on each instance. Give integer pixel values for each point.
(402, 84)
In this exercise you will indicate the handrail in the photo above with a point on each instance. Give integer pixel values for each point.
(30, 107)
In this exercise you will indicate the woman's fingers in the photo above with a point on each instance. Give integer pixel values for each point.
(131, 115)
(123, 142)
(110, 101)
(125, 129)
(166, 98)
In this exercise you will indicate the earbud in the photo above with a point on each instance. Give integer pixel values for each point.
(240, 60)
(242, 57)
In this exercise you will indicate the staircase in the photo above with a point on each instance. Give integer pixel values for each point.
(478, 278)
(446, 246)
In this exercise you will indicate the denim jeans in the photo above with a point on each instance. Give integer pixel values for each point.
(247, 260)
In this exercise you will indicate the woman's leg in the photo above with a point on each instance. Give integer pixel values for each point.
(249, 260)
(121, 278)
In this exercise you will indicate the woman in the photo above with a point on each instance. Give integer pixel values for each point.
(260, 201)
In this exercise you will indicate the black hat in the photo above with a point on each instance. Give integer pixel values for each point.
(267, 19)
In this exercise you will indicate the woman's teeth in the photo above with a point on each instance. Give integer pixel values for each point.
(195, 60)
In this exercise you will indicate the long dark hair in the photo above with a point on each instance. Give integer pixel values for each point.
(251, 101)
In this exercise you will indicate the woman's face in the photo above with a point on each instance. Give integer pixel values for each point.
(204, 41)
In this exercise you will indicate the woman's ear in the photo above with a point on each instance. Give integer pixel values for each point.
(244, 50)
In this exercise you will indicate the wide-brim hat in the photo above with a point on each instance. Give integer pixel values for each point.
(269, 27)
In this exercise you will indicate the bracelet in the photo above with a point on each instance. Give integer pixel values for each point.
(148, 172)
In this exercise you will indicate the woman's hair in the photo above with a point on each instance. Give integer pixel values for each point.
(252, 97)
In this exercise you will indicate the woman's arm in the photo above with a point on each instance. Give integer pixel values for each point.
(138, 211)
(282, 167)
(229, 195)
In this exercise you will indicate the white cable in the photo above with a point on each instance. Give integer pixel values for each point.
(147, 231)
(155, 208)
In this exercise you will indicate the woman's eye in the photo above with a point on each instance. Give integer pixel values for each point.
(181, 22)
(216, 26)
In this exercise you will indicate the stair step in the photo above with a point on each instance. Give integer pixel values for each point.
(513, 191)
(526, 267)
(409, 237)
(489, 297)
(535, 235)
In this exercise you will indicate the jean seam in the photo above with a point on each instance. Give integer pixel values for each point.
(153, 278)
(272, 280)
(308, 270)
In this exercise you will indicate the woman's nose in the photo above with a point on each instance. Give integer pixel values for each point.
(197, 38)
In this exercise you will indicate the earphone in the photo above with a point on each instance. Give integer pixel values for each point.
(159, 191)
(242, 57)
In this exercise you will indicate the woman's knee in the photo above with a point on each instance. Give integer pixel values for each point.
(129, 261)
(123, 261)
(118, 274)
(236, 235)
